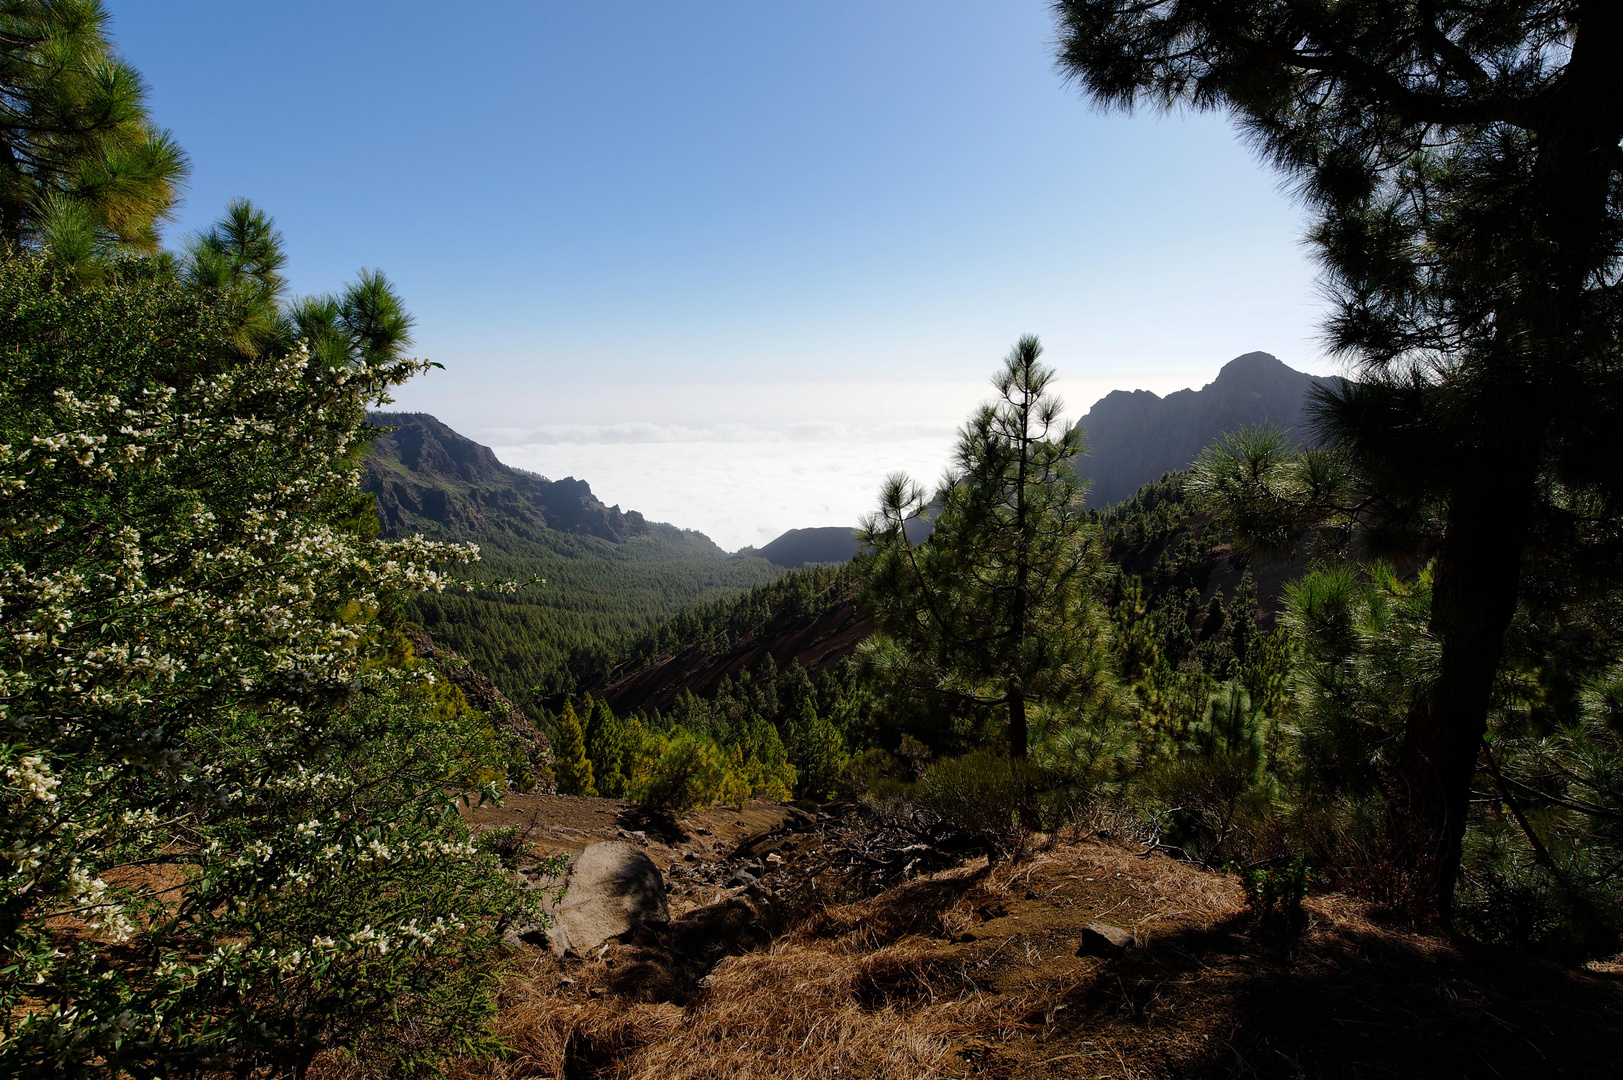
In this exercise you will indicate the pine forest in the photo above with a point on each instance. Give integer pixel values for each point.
(333, 743)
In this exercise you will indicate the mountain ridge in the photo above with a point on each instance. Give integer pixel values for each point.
(1137, 436)
(428, 477)
(600, 572)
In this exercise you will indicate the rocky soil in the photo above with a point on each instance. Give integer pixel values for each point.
(814, 945)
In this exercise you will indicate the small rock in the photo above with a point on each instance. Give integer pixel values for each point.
(774, 857)
(1103, 939)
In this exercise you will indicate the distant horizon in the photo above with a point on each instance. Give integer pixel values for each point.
(641, 466)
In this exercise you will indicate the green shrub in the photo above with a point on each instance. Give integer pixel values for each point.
(194, 678)
(507, 842)
(1274, 894)
(1216, 807)
(682, 772)
(985, 795)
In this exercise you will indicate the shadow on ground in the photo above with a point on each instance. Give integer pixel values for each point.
(1228, 1000)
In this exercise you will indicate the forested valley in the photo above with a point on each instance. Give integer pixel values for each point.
(592, 573)
(332, 746)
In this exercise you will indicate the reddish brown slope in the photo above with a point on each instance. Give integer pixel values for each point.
(815, 642)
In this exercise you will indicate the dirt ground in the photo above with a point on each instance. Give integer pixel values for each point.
(696, 854)
(974, 970)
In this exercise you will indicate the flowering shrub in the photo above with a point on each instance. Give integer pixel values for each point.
(227, 834)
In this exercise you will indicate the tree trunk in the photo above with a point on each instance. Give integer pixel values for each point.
(1474, 592)
(1578, 125)
(1017, 719)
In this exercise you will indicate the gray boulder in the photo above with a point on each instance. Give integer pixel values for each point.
(612, 889)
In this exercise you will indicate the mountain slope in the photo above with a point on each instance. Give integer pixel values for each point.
(428, 478)
(797, 547)
(1181, 557)
(1136, 436)
(826, 544)
(807, 617)
(607, 572)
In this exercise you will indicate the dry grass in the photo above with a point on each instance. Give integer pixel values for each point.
(858, 990)
(894, 986)
(796, 1011)
(975, 971)
(943, 905)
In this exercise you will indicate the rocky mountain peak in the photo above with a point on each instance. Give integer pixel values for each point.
(1136, 436)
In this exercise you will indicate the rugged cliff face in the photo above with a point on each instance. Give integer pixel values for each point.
(425, 474)
(1136, 436)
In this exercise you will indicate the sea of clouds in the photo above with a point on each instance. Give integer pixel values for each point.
(740, 486)
(799, 456)
(744, 464)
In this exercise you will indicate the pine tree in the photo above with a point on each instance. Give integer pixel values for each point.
(1176, 615)
(573, 767)
(606, 747)
(796, 691)
(82, 169)
(1242, 624)
(998, 604)
(1137, 649)
(1216, 653)
(1215, 618)
(242, 254)
(1462, 161)
(817, 752)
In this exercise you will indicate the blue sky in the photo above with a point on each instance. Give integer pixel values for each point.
(730, 262)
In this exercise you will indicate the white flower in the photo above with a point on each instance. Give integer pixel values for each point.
(36, 776)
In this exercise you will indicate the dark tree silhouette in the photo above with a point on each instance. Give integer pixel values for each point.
(1463, 162)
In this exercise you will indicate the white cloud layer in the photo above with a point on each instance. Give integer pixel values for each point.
(742, 462)
(740, 491)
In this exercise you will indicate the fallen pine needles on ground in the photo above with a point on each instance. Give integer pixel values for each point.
(975, 971)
